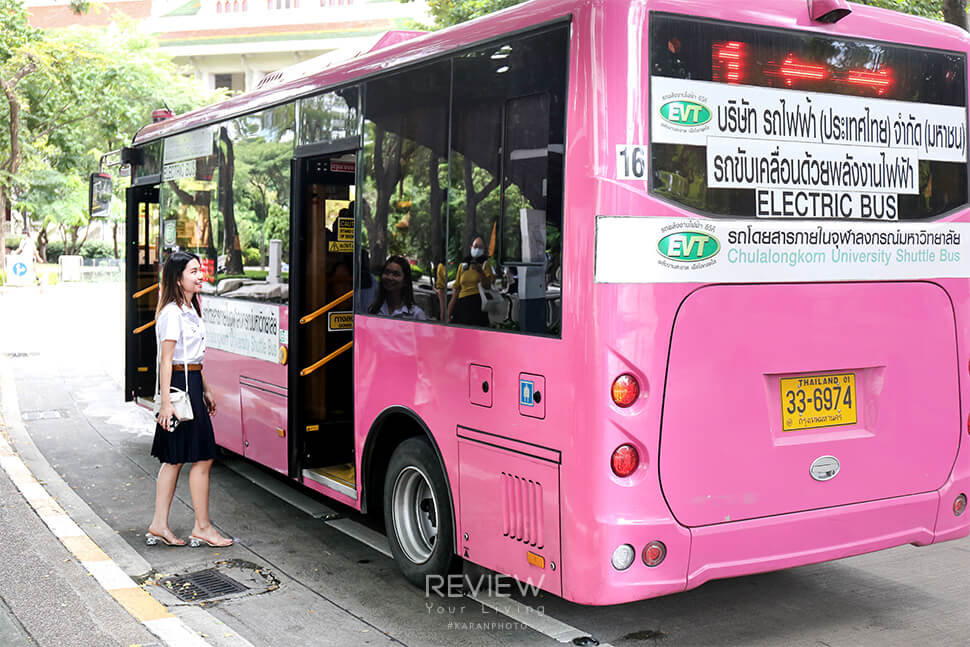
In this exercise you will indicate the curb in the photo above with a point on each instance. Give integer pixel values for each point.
(135, 600)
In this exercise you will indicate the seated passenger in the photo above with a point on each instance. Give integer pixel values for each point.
(465, 306)
(395, 294)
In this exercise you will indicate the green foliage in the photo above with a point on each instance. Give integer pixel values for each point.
(55, 249)
(251, 256)
(451, 12)
(12, 242)
(81, 92)
(926, 8)
(97, 249)
(15, 32)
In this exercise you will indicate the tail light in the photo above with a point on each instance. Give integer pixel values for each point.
(959, 505)
(654, 553)
(625, 460)
(625, 390)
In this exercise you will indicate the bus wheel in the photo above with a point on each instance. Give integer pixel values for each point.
(417, 515)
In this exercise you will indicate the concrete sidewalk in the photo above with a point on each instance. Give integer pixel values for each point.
(48, 597)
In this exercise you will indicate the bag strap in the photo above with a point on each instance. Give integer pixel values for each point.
(158, 360)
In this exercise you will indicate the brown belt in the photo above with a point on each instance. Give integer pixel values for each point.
(182, 367)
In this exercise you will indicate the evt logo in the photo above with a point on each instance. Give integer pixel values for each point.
(688, 246)
(685, 113)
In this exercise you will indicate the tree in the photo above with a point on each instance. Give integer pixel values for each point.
(16, 64)
(451, 12)
(71, 95)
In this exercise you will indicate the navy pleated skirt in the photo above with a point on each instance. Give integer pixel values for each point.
(192, 440)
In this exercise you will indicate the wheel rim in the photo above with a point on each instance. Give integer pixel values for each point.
(415, 512)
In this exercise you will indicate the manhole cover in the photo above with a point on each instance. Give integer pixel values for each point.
(46, 414)
(202, 585)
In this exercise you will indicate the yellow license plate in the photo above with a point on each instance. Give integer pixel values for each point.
(818, 401)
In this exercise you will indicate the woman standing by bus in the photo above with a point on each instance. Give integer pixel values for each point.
(180, 333)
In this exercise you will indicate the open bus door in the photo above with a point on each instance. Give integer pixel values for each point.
(141, 288)
(321, 322)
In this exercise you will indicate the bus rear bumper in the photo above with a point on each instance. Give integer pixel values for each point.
(772, 543)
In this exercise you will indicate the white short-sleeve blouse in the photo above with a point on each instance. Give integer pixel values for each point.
(185, 327)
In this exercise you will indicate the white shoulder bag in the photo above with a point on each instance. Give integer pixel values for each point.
(180, 399)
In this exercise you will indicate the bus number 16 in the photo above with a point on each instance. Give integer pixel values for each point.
(631, 162)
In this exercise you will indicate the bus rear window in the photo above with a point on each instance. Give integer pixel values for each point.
(757, 122)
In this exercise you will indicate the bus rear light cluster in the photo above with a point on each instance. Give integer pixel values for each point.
(624, 554)
(625, 390)
(625, 460)
(654, 553)
(959, 505)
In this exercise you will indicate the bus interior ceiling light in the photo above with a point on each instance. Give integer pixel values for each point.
(828, 10)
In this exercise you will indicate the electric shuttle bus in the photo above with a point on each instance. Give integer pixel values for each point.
(720, 326)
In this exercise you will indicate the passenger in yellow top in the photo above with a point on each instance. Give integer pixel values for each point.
(465, 306)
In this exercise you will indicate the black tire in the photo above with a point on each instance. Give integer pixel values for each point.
(417, 514)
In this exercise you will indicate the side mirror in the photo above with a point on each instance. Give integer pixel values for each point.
(99, 195)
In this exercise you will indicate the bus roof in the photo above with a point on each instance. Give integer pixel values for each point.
(396, 49)
(404, 48)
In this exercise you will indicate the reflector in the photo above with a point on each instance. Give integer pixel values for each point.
(625, 460)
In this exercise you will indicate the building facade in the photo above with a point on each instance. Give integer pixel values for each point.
(233, 44)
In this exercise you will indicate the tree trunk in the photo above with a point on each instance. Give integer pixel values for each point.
(473, 199)
(227, 164)
(387, 173)
(955, 12)
(42, 242)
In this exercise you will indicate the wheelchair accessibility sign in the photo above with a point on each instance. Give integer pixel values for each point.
(527, 390)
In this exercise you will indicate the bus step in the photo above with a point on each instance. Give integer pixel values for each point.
(341, 478)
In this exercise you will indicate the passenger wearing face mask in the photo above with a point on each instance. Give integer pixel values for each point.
(465, 306)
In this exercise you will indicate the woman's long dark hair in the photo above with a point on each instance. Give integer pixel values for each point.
(407, 290)
(170, 291)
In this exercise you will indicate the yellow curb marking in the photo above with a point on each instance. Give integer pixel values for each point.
(140, 604)
(85, 549)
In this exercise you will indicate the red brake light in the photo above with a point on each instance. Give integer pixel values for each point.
(625, 390)
(654, 553)
(959, 505)
(625, 460)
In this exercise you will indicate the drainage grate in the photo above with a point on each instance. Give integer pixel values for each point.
(202, 585)
(45, 414)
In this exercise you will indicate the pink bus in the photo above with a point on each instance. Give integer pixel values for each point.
(613, 297)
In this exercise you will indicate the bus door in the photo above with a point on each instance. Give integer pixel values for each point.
(321, 321)
(141, 289)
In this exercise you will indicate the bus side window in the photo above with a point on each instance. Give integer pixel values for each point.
(405, 178)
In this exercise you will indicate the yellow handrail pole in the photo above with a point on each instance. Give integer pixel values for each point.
(327, 308)
(312, 367)
(141, 329)
(142, 293)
